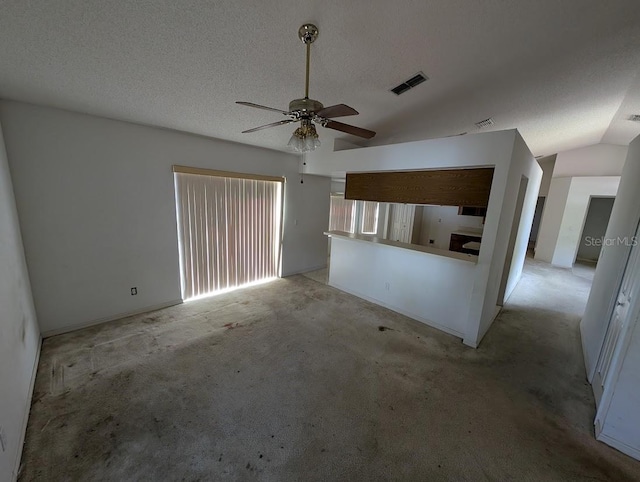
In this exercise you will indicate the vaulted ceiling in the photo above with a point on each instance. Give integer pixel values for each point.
(566, 73)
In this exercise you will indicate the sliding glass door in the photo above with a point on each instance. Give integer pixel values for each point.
(229, 229)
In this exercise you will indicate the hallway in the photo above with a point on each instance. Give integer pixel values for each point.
(536, 341)
(296, 380)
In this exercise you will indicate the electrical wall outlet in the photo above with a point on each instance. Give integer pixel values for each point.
(387, 286)
(134, 291)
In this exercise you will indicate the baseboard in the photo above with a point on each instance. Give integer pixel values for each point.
(306, 270)
(621, 446)
(475, 343)
(25, 421)
(432, 324)
(496, 312)
(588, 261)
(80, 326)
(469, 343)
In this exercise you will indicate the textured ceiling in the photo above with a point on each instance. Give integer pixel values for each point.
(563, 72)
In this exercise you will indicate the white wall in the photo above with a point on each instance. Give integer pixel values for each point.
(425, 228)
(595, 227)
(19, 333)
(597, 160)
(415, 155)
(503, 149)
(521, 163)
(552, 218)
(564, 216)
(547, 164)
(427, 287)
(417, 225)
(307, 215)
(623, 222)
(97, 209)
(337, 185)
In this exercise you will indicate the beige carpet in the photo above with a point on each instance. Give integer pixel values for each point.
(294, 380)
(321, 275)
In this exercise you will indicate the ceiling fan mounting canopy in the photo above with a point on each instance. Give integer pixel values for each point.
(308, 33)
(306, 110)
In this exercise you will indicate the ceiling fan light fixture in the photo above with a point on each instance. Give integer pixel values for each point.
(304, 138)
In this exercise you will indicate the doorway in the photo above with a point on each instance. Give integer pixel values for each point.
(505, 289)
(401, 224)
(594, 230)
(535, 226)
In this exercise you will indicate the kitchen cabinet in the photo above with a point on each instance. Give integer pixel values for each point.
(459, 240)
(472, 211)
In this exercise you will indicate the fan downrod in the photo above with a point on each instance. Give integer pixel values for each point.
(308, 33)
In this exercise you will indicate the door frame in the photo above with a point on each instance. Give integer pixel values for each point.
(513, 237)
(584, 224)
(603, 390)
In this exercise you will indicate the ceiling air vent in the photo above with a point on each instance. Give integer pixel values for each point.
(635, 118)
(417, 79)
(401, 89)
(485, 123)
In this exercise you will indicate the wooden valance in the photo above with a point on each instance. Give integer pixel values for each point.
(443, 187)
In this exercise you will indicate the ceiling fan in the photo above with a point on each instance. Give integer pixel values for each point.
(309, 111)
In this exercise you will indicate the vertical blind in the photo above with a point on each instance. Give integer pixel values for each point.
(342, 214)
(369, 217)
(229, 230)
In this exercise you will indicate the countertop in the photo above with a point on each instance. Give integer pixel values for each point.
(465, 232)
(412, 247)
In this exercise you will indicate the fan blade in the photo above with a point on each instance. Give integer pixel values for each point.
(273, 124)
(338, 110)
(356, 131)
(258, 106)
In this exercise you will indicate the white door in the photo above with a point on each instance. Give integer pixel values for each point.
(401, 225)
(619, 323)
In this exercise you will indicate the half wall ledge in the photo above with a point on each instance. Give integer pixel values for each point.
(397, 244)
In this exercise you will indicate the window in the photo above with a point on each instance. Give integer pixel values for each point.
(369, 215)
(346, 214)
(342, 216)
(229, 229)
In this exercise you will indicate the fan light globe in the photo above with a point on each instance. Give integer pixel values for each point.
(304, 138)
